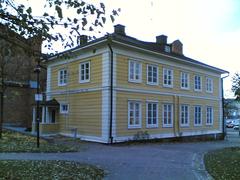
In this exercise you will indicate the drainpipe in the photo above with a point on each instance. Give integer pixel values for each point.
(111, 94)
(223, 121)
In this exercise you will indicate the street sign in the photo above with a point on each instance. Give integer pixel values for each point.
(38, 97)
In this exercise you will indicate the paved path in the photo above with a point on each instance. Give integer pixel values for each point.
(145, 161)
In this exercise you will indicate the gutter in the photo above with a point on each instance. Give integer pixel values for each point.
(223, 121)
(111, 94)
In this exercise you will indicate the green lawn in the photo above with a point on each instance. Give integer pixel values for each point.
(224, 163)
(16, 142)
(44, 170)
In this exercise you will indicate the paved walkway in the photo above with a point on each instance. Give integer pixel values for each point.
(145, 161)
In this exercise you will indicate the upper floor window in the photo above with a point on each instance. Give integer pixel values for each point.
(184, 115)
(167, 77)
(209, 115)
(134, 71)
(134, 114)
(152, 114)
(184, 80)
(197, 115)
(197, 83)
(167, 115)
(62, 77)
(64, 108)
(84, 72)
(152, 74)
(167, 48)
(209, 85)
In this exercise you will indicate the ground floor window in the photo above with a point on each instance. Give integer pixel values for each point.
(184, 115)
(167, 115)
(152, 114)
(134, 114)
(209, 115)
(64, 108)
(197, 115)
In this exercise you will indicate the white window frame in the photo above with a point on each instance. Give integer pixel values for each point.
(152, 125)
(171, 74)
(198, 124)
(61, 108)
(188, 115)
(134, 126)
(183, 78)
(149, 82)
(61, 79)
(168, 124)
(207, 115)
(199, 82)
(134, 71)
(80, 72)
(209, 83)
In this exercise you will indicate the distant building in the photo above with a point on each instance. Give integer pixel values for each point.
(117, 88)
(19, 77)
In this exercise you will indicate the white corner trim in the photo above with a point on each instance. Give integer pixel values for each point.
(49, 78)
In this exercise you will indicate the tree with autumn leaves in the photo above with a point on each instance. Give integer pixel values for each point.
(60, 21)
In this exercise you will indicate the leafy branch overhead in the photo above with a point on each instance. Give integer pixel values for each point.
(236, 86)
(61, 20)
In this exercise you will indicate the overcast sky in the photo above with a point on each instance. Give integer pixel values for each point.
(208, 29)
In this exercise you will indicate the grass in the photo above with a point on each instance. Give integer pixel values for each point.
(224, 163)
(16, 142)
(44, 170)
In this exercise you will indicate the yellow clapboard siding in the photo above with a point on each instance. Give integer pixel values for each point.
(122, 113)
(122, 78)
(73, 74)
(85, 113)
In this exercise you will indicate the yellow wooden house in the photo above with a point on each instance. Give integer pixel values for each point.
(117, 88)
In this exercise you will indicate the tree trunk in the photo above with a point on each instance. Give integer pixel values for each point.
(1, 113)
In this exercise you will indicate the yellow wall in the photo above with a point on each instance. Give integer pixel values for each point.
(84, 113)
(122, 78)
(122, 113)
(73, 70)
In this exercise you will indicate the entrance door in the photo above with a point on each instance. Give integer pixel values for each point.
(53, 115)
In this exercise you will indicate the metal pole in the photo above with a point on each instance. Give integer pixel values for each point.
(37, 70)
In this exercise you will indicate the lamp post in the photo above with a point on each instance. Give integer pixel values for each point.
(37, 70)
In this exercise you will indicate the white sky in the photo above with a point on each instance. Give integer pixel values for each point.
(208, 29)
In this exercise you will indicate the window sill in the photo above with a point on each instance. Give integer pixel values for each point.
(198, 90)
(197, 125)
(186, 89)
(134, 127)
(168, 126)
(152, 126)
(167, 86)
(184, 125)
(152, 84)
(132, 81)
(60, 85)
(82, 82)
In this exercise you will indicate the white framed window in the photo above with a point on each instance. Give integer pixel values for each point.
(134, 71)
(197, 83)
(84, 72)
(209, 115)
(184, 115)
(62, 77)
(134, 114)
(167, 77)
(184, 80)
(197, 115)
(152, 74)
(167, 115)
(152, 114)
(64, 108)
(209, 85)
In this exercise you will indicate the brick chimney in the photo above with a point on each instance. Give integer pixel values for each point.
(162, 39)
(119, 29)
(83, 39)
(177, 47)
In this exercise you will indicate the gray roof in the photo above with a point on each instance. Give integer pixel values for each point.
(151, 46)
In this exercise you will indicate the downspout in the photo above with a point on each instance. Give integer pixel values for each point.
(223, 121)
(111, 94)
